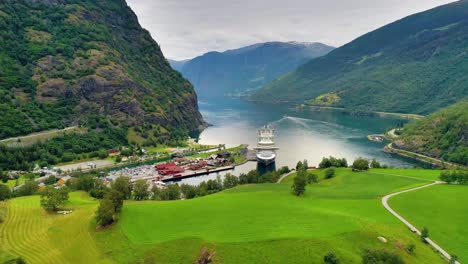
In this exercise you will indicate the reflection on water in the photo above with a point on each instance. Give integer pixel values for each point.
(300, 134)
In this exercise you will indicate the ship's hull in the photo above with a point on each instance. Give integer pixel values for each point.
(266, 159)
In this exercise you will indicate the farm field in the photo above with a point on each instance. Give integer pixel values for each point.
(40, 237)
(443, 209)
(261, 223)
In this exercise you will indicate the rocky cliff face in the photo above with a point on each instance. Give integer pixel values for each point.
(69, 61)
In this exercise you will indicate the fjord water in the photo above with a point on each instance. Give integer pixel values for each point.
(300, 134)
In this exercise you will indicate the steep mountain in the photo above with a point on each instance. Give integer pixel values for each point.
(177, 65)
(442, 135)
(87, 62)
(415, 65)
(247, 68)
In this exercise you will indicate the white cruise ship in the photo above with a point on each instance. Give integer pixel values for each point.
(266, 147)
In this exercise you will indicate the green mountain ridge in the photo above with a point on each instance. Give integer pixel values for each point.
(442, 135)
(70, 62)
(246, 69)
(415, 65)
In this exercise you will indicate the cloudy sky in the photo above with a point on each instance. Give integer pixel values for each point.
(188, 28)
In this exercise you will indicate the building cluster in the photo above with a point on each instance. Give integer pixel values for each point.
(178, 167)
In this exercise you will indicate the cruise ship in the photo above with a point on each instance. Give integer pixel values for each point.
(266, 147)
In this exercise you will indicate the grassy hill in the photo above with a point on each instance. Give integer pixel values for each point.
(246, 69)
(443, 210)
(442, 135)
(415, 65)
(69, 62)
(261, 223)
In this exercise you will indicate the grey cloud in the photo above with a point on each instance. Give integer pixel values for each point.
(188, 28)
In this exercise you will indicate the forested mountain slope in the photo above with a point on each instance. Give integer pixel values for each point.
(415, 65)
(442, 135)
(86, 62)
(248, 68)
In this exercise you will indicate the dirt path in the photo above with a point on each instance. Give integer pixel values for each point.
(408, 224)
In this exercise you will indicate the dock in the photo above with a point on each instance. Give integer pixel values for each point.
(188, 174)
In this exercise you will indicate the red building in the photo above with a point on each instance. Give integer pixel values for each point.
(168, 169)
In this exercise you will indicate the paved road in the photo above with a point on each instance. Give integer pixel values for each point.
(408, 224)
(285, 176)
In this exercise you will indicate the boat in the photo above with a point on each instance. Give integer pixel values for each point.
(266, 147)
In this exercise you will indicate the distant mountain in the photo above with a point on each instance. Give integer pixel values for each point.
(248, 68)
(442, 135)
(415, 65)
(177, 65)
(66, 63)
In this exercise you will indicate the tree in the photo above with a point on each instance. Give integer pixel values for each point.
(52, 199)
(5, 192)
(424, 234)
(117, 199)
(171, 192)
(118, 158)
(331, 258)
(51, 180)
(156, 193)
(312, 178)
(299, 165)
(381, 256)
(230, 181)
(361, 164)
(329, 173)
(188, 191)
(141, 190)
(29, 188)
(375, 164)
(299, 184)
(3, 176)
(124, 186)
(105, 212)
(86, 183)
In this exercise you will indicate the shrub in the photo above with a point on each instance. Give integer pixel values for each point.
(381, 256)
(361, 164)
(312, 178)
(329, 173)
(5, 192)
(455, 177)
(331, 258)
(411, 248)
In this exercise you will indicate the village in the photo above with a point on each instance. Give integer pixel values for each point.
(178, 168)
(156, 174)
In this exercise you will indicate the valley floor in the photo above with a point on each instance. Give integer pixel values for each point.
(261, 223)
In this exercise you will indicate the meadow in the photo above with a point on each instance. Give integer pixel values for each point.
(261, 223)
(443, 209)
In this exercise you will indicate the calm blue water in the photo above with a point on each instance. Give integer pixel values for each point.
(300, 134)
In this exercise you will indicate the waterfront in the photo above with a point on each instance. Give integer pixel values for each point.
(300, 134)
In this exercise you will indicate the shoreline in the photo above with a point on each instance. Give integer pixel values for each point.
(354, 111)
(421, 158)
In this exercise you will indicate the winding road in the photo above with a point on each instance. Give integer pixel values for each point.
(408, 224)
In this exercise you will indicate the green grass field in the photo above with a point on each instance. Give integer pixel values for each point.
(443, 209)
(261, 223)
(40, 237)
(265, 223)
